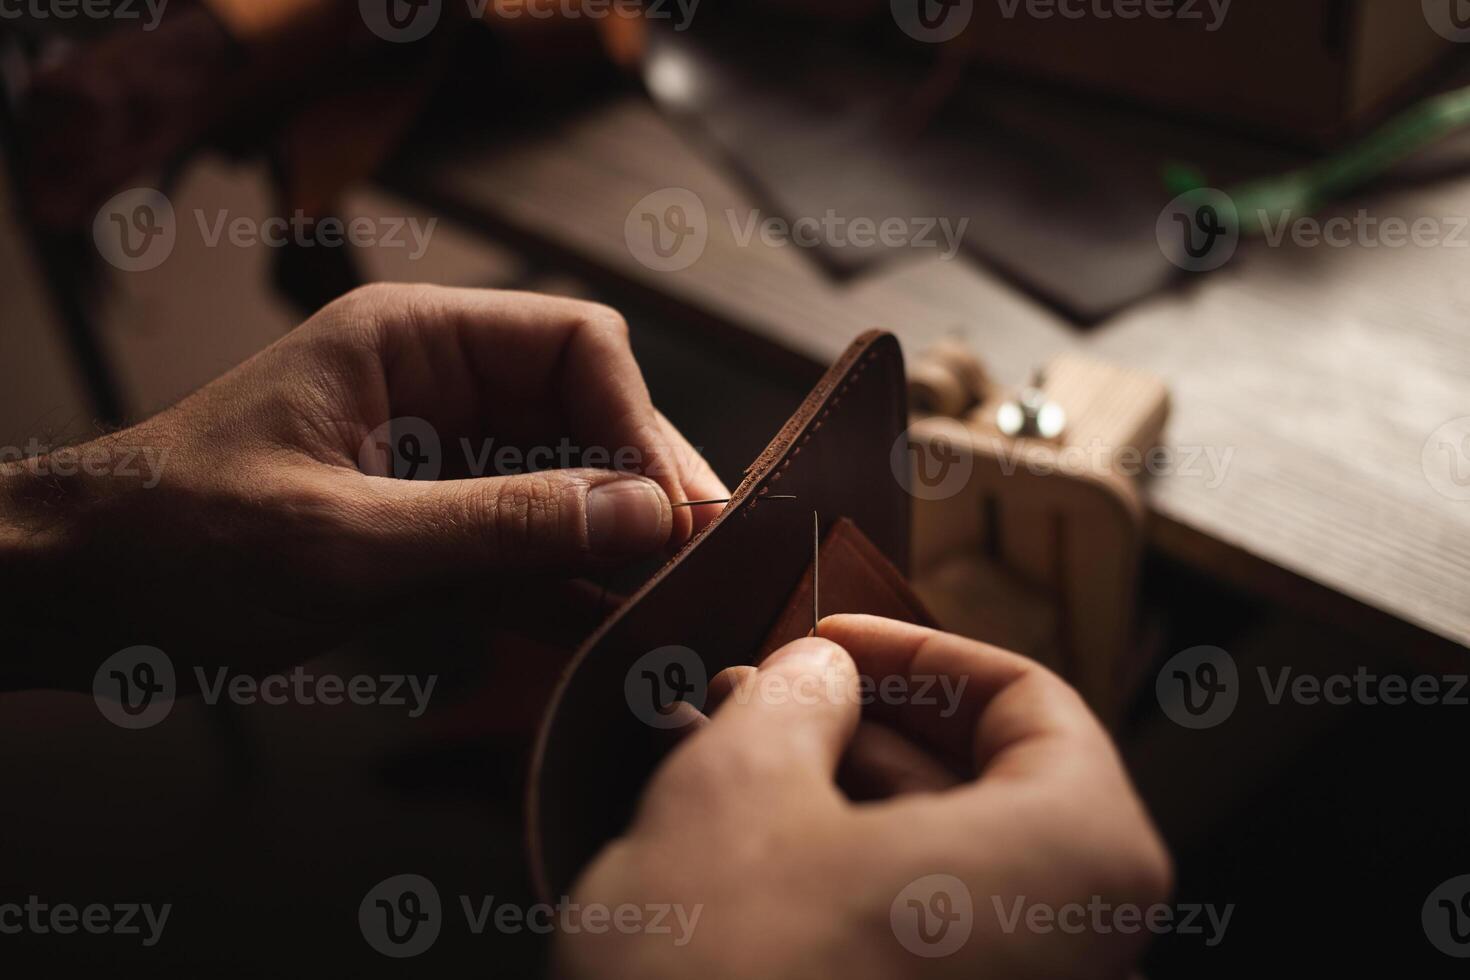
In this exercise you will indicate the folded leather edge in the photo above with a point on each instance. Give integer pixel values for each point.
(807, 417)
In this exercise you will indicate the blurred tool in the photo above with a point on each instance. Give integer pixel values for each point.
(1029, 532)
(947, 380)
(1304, 191)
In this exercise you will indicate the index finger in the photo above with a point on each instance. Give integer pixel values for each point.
(998, 711)
(470, 352)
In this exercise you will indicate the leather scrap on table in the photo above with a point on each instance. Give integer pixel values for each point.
(1062, 195)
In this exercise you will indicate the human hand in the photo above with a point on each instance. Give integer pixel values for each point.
(258, 513)
(795, 880)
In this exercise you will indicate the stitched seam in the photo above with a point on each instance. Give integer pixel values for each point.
(816, 427)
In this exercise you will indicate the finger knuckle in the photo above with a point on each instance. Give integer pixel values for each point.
(1058, 689)
(504, 515)
(362, 304)
(387, 301)
(377, 294)
(356, 318)
(597, 318)
(1149, 875)
(529, 513)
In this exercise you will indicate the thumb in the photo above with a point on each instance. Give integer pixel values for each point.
(787, 723)
(555, 520)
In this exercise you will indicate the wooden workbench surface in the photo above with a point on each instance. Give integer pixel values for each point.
(1322, 371)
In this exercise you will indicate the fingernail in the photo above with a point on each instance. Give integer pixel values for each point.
(626, 518)
(808, 653)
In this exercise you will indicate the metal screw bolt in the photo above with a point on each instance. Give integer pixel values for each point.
(1031, 413)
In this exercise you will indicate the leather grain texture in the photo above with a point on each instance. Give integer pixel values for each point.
(719, 597)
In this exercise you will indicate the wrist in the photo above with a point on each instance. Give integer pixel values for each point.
(31, 543)
(34, 520)
(50, 586)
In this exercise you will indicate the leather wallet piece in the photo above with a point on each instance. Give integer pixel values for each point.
(728, 594)
(853, 576)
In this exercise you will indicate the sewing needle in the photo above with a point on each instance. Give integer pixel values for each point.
(816, 569)
(726, 500)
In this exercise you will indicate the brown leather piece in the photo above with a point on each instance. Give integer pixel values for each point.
(854, 577)
(719, 597)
